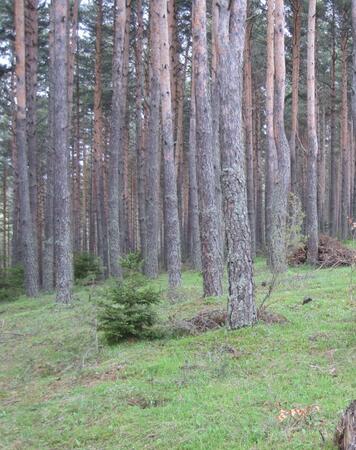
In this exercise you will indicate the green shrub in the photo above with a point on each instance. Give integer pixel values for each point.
(11, 283)
(87, 267)
(128, 308)
(132, 264)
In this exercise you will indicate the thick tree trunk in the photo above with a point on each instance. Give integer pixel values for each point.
(312, 173)
(209, 216)
(63, 245)
(29, 256)
(171, 224)
(241, 305)
(153, 148)
(116, 139)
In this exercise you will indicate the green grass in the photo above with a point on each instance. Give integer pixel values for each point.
(61, 389)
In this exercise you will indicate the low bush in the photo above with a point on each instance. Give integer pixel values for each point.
(128, 307)
(11, 283)
(87, 268)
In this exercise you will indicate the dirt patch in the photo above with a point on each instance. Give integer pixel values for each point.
(331, 253)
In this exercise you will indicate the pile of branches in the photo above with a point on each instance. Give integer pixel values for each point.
(216, 318)
(331, 253)
(202, 322)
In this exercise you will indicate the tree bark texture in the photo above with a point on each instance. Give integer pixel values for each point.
(241, 305)
(171, 225)
(63, 244)
(209, 216)
(29, 257)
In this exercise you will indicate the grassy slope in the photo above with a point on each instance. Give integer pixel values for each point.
(58, 392)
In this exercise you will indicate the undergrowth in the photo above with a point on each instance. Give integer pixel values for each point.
(62, 387)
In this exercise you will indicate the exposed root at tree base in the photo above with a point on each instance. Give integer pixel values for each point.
(345, 435)
(331, 253)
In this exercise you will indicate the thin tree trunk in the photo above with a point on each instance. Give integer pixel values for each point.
(249, 133)
(274, 231)
(48, 250)
(209, 216)
(31, 36)
(279, 157)
(344, 141)
(353, 98)
(241, 305)
(98, 130)
(29, 256)
(63, 245)
(297, 19)
(4, 212)
(334, 148)
(171, 225)
(215, 113)
(312, 155)
(194, 232)
(322, 171)
(116, 138)
(152, 161)
(140, 148)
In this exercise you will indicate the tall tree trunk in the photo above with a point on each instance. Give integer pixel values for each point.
(140, 148)
(312, 173)
(344, 141)
(334, 147)
(16, 251)
(171, 224)
(4, 212)
(63, 245)
(29, 256)
(353, 97)
(152, 161)
(260, 178)
(194, 231)
(297, 20)
(241, 305)
(281, 173)
(48, 250)
(124, 153)
(322, 170)
(116, 138)
(98, 130)
(31, 36)
(249, 133)
(274, 238)
(209, 216)
(215, 113)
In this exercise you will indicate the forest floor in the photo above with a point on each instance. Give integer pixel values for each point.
(62, 387)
